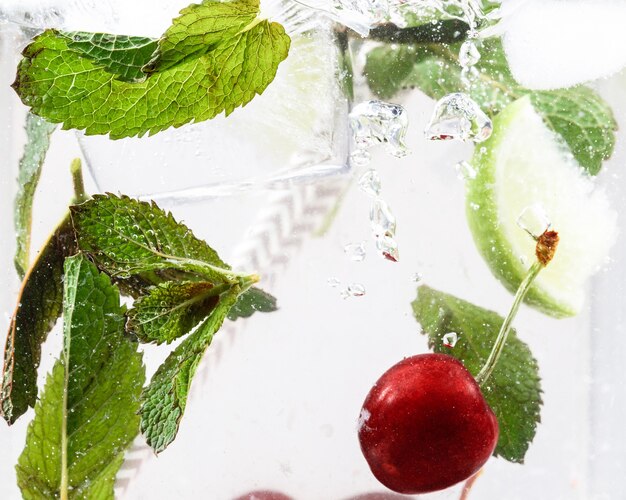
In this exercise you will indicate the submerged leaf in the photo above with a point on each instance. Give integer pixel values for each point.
(38, 133)
(214, 58)
(251, 301)
(513, 390)
(121, 55)
(87, 415)
(171, 309)
(578, 114)
(165, 398)
(127, 237)
(199, 29)
(39, 307)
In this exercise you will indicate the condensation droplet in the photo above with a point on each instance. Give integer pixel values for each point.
(458, 116)
(355, 251)
(534, 220)
(333, 282)
(370, 183)
(378, 122)
(382, 220)
(450, 339)
(353, 290)
(465, 171)
(388, 247)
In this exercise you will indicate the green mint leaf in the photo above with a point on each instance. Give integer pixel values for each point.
(87, 415)
(127, 237)
(513, 391)
(39, 306)
(171, 309)
(579, 115)
(165, 398)
(199, 29)
(251, 301)
(121, 55)
(38, 133)
(583, 119)
(81, 88)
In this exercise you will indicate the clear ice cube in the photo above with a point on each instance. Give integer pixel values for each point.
(458, 116)
(378, 122)
(534, 220)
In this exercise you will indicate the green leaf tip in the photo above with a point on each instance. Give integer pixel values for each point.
(39, 305)
(514, 389)
(251, 301)
(165, 398)
(38, 132)
(215, 57)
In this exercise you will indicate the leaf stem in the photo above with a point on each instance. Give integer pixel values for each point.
(64, 470)
(77, 180)
(447, 31)
(498, 346)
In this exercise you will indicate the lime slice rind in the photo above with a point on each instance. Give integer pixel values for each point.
(522, 164)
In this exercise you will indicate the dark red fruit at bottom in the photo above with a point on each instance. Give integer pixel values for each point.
(264, 495)
(426, 426)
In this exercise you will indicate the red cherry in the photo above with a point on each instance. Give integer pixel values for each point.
(264, 495)
(425, 425)
(378, 496)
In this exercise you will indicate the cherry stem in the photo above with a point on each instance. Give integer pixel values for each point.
(547, 244)
(498, 346)
(467, 487)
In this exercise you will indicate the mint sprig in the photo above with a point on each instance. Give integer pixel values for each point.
(513, 390)
(215, 57)
(578, 114)
(137, 242)
(87, 415)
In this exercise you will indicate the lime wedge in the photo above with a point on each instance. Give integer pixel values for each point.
(525, 164)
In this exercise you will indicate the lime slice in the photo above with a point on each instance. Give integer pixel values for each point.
(526, 164)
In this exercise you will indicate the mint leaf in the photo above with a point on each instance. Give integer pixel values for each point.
(226, 62)
(165, 398)
(583, 119)
(38, 133)
(579, 115)
(127, 237)
(171, 309)
(513, 391)
(200, 28)
(120, 55)
(87, 415)
(39, 307)
(251, 301)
